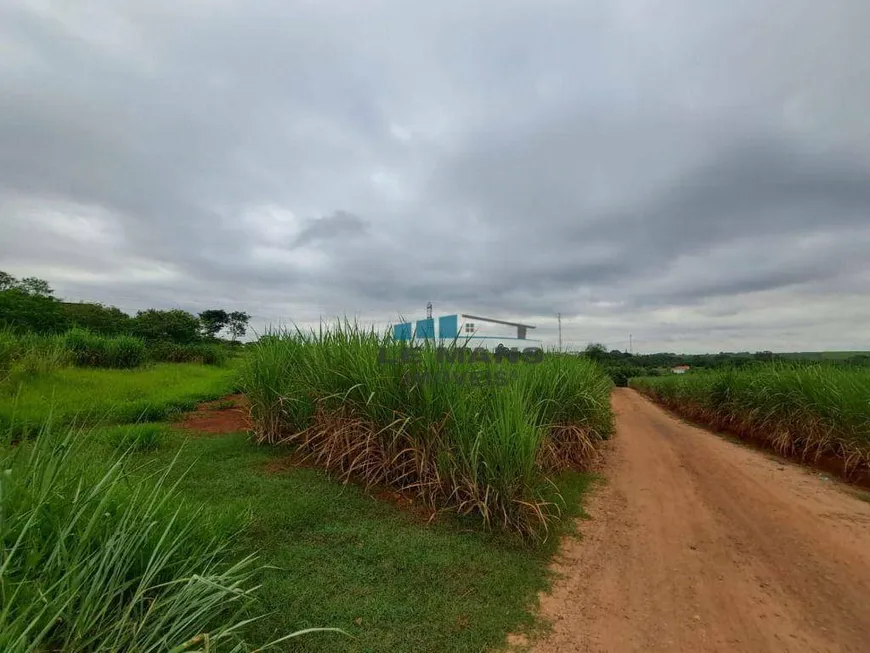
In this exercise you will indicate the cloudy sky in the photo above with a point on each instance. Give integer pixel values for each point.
(694, 173)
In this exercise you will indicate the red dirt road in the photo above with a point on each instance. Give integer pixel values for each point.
(700, 544)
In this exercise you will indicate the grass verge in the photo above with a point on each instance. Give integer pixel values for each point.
(334, 554)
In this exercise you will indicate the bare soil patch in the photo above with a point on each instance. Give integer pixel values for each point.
(226, 415)
(699, 544)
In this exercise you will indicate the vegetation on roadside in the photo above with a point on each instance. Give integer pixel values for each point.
(804, 411)
(30, 355)
(339, 555)
(331, 555)
(98, 559)
(461, 441)
(197, 352)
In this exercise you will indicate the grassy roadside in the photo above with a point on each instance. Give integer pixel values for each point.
(805, 411)
(335, 556)
(345, 559)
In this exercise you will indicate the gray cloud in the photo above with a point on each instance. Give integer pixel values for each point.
(338, 225)
(695, 175)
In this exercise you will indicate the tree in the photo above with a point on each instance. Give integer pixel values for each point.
(7, 281)
(108, 320)
(27, 305)
(175, 326)
(22, 312)
(28, 285)
(238, 324)
(34, 286)
(596, 351)
(213, 320)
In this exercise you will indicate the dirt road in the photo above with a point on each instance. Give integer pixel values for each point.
(700, 544)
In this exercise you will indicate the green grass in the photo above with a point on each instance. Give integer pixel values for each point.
(91, 396)
(332, 554)
(26, 355)
(95, 558)
(342, 558)
(484, 450)
(144, 436)
(97, 350)
(799, 410)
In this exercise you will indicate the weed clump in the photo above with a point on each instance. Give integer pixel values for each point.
(357, 404)
(95, 350)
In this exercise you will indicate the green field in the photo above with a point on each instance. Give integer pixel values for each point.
(329, 554)
(69, 395)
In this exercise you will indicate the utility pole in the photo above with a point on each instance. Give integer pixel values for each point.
(630, 350)
(429, 311)
(560, 332)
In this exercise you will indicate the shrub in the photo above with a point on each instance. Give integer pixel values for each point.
(620, 374)
(30, 354)
(94, 350)
(174, 326)
(206, 353)
(107, 320)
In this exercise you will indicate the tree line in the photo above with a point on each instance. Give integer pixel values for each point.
(29, 305)
(622, 365)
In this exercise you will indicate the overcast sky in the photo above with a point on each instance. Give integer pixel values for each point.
(694, 173)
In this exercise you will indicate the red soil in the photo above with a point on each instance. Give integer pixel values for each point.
(217, 417)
